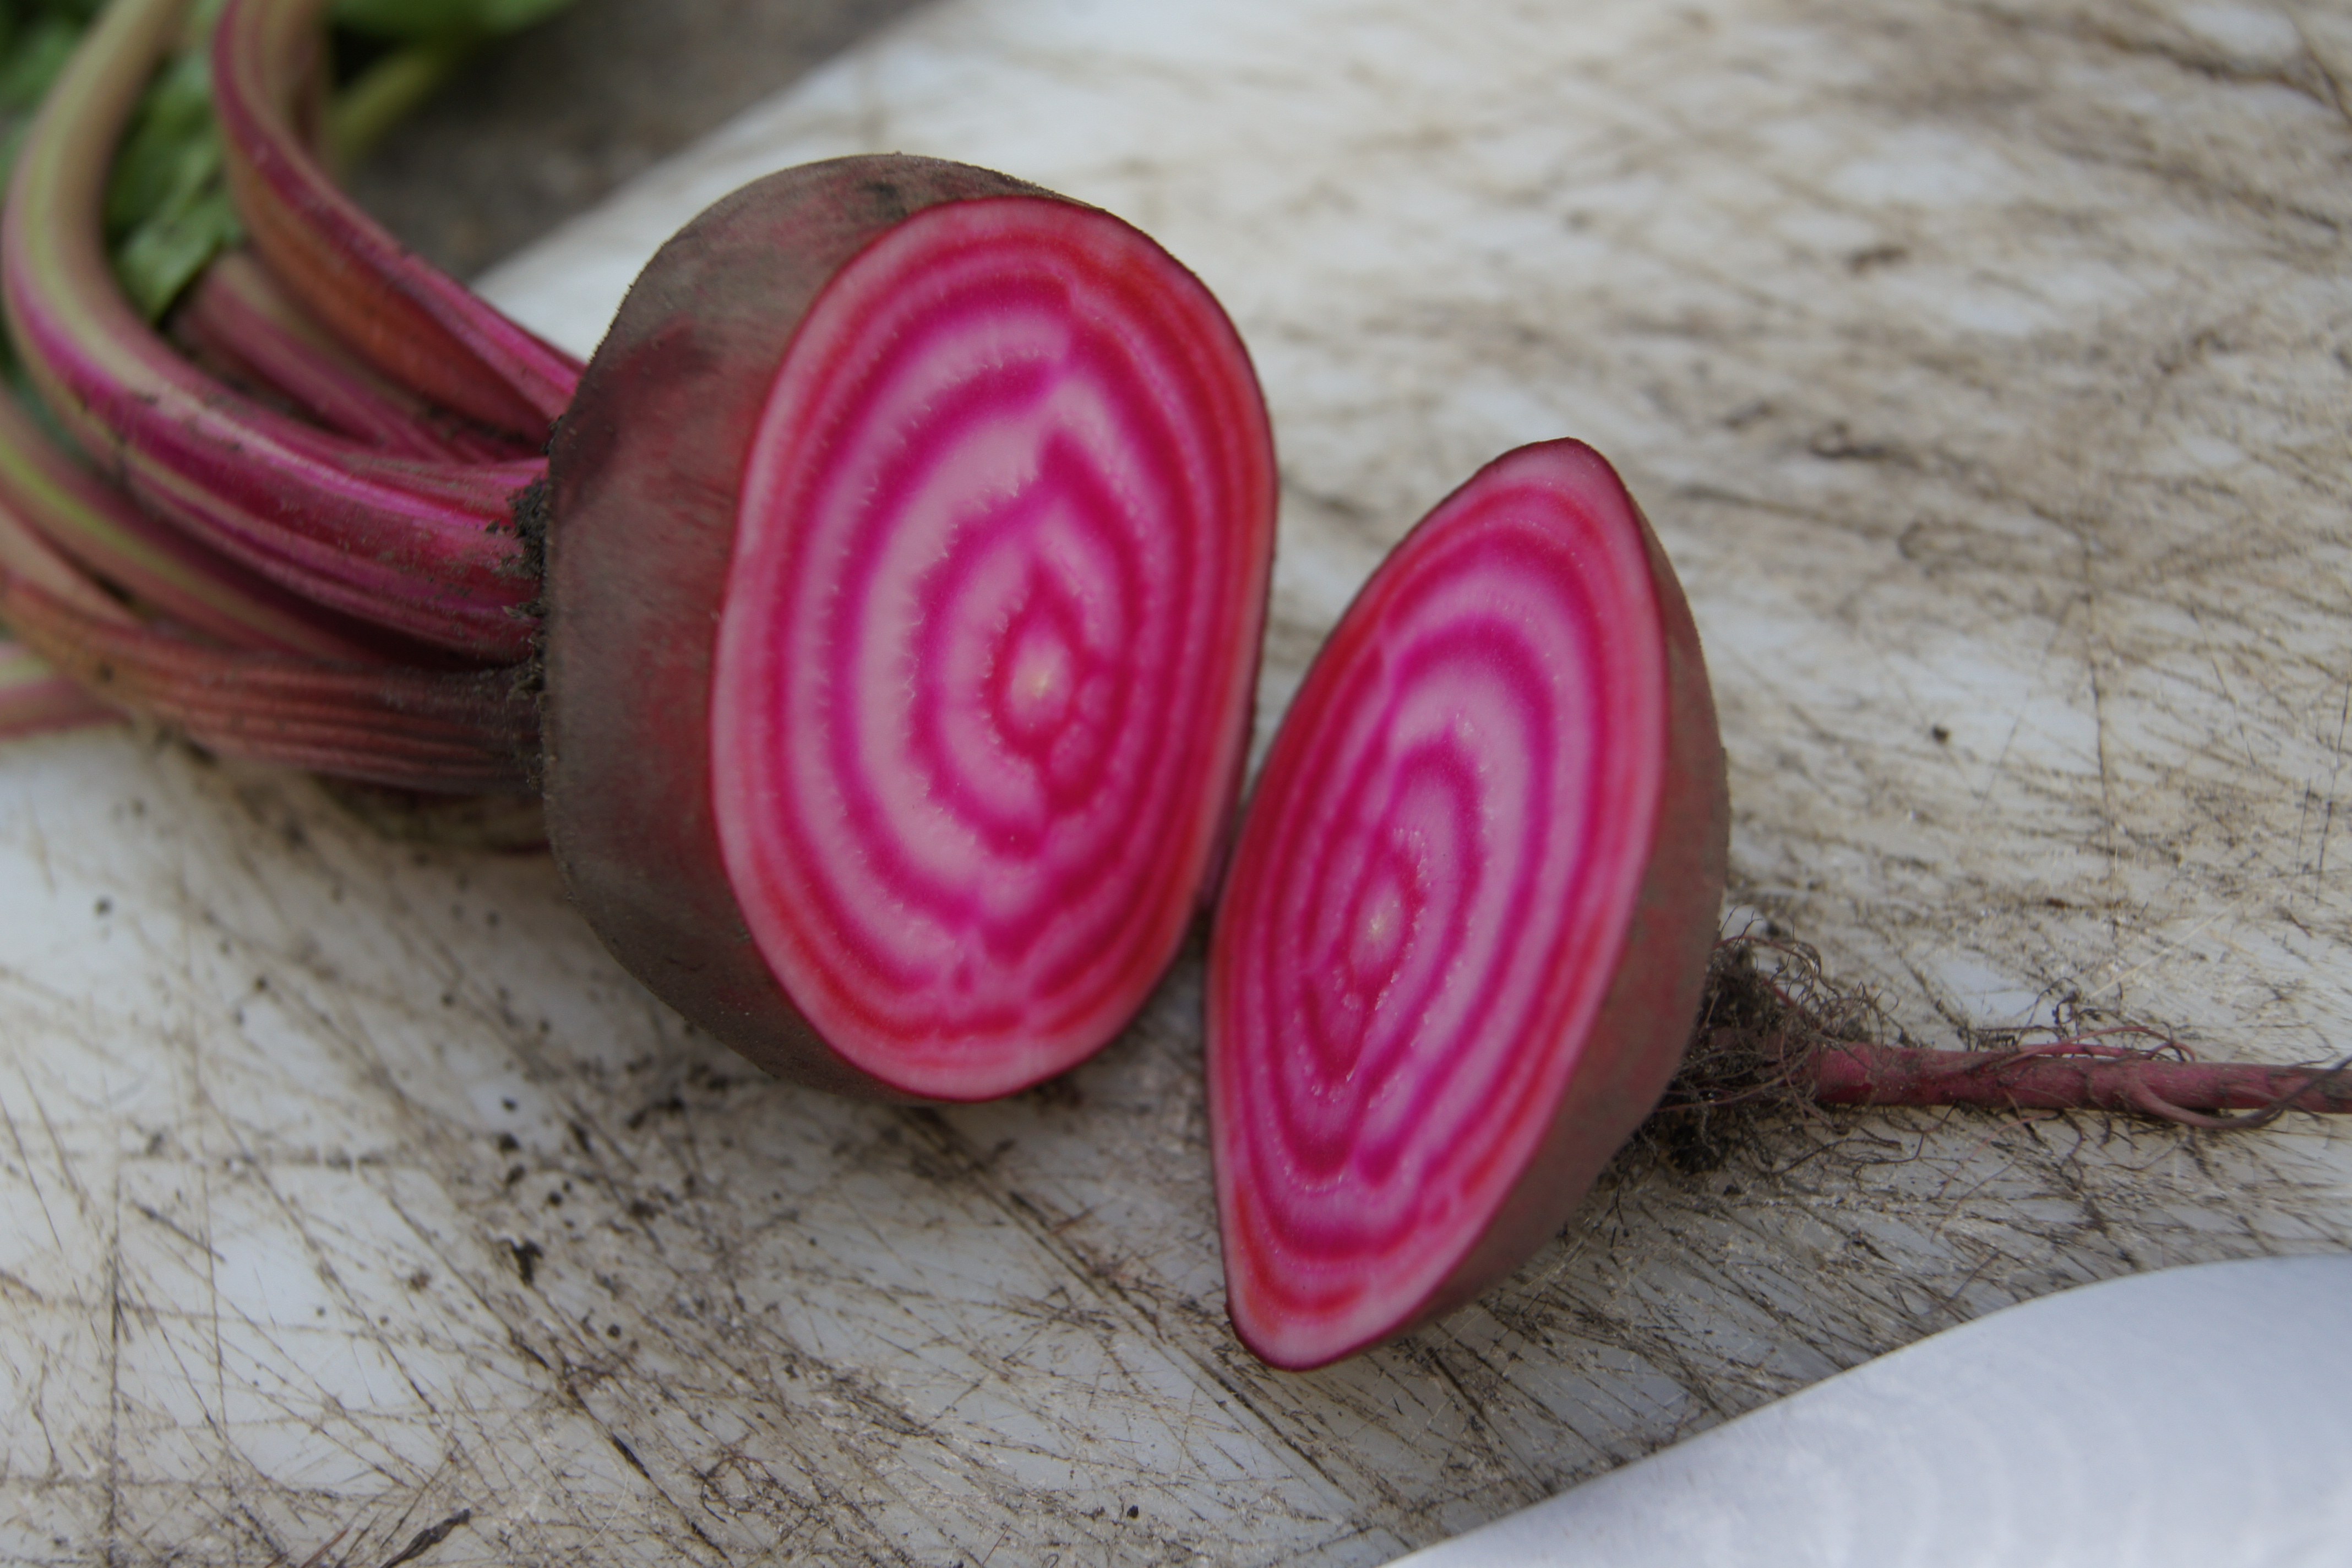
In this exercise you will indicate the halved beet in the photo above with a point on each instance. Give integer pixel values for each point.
(1460, 946)
(908, 552)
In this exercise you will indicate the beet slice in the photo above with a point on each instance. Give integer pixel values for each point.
(908, 554)
(1460, 946)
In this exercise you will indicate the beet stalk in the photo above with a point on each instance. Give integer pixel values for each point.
(245, 694)
(463, 732)
(237, 320)
(48, 495)
(1462, 937)
(425, 549)
(37, 700)
(146, 617)
(425, 330)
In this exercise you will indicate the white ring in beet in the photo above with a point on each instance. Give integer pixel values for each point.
(983, 651)
(1460, 945)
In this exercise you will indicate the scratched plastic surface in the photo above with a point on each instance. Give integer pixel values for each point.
(1982, 366)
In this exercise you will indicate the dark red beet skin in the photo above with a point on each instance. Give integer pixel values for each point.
(1460, 948)
(907, 563)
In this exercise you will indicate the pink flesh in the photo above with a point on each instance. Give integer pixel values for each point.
(985, 669)
(1429, 900)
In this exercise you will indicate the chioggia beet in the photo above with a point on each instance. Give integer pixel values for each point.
(908, 545)
(1460, 948)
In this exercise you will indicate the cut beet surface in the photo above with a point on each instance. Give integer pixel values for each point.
(1461, 944)
(907, 569)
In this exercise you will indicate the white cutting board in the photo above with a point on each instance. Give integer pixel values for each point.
(1984, 369)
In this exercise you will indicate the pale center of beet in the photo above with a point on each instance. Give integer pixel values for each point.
(1035, 698)
(1386, 904)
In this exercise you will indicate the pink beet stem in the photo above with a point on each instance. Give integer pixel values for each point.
(37, 700)
(422, 548)
(59, 521)
(422, 328)
(237, 315)
(444, 731)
